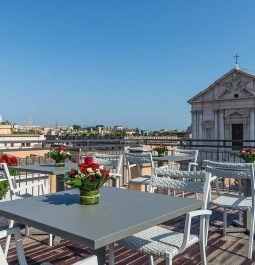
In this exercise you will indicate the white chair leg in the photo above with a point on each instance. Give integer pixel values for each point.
(202, 238)
(111, 254)
(169, 261)
(50, 240)
(151, 260)
(251, 234)
(8, 240)
(207, 222)
(225, 222)
(202, 252)
(26, 230)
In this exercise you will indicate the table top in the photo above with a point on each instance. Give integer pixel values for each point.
(173, 158)
(50, 169)
(120, 213)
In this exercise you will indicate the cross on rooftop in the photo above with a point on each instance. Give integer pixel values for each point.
(236, 58)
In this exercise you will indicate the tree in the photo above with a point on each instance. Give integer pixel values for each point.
(76, 127)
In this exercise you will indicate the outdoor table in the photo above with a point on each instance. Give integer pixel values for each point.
(49, 169)
(173, 158)
(162, 160)
(120, 213)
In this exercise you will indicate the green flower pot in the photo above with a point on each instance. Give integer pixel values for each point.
(89, 197)
(60, 163)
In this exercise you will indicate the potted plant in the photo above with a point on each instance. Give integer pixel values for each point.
(89, 177)
(247, 155)
(161, 149)
(59, 154)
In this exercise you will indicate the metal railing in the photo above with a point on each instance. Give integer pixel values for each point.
(220, 150)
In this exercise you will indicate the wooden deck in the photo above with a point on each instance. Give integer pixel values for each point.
(225, 250)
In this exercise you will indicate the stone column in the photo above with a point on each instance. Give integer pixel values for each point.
(221, 123)
(200, 136)
(252, 136)
(194, 124)
(216, 129)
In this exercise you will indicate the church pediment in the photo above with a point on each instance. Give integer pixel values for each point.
(235, 114)
(233, 85)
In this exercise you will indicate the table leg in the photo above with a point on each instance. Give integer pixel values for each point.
(100, 253)
(60, 183)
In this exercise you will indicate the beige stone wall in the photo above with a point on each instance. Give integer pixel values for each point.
(26, 153)
(5, 129)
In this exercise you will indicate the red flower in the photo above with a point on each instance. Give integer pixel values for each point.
(73, 172)
(9, 160)
(60, 148)
(104, 173)
(250, 150)
(14, 160)
(94, 166)
(91, 177)
(88, 160)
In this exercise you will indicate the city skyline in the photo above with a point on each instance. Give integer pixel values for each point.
(134, 63)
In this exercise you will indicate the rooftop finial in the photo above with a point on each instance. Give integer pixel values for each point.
(236, 57)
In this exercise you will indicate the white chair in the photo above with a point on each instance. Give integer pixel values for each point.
(192, 165)
(19, 193)
(159, 241)
(92, 260)
(240, 201)
(138, 160)
(112, 162)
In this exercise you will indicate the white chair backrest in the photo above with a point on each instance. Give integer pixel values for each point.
(189, 181)
(139, 158)
(183, 152)
(11, 180)
(110, 161)
(231, 170)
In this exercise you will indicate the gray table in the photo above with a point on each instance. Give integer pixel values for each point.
(49, 169)
(120, 213)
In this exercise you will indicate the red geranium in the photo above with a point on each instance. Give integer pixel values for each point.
(9, 160)
(161, 149)
(89, 175)
(61, 148)
(247, 155)
(59, 154)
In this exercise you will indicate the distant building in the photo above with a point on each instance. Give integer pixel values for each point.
(118, 128)
(13, 141)
(5, 129)
(225, 109)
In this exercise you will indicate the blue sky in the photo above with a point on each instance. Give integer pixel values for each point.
(128, 62)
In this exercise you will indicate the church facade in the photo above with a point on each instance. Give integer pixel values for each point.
(226, 109)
